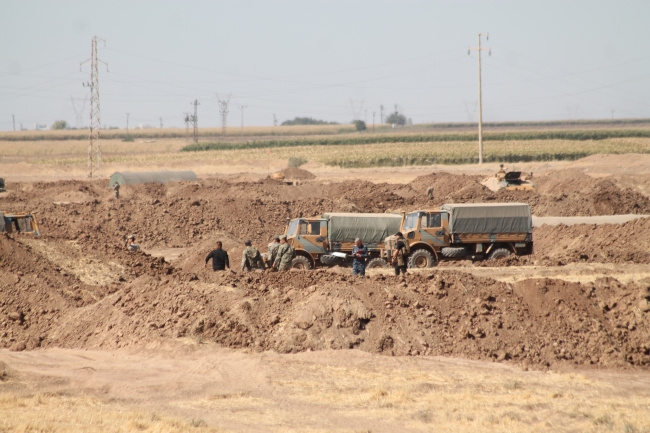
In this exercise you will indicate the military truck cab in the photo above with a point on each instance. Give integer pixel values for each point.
(308, 236)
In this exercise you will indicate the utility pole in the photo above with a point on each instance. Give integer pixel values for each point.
(160, 122)
(275, 120)
(241, 107)
(79, 113)
(480, 102)
(609, 110)
(223, 110)
(13, 119)
(373, 121)
(127, 123)
(195, 120)
(187, 124)
(94, 150)
(381, 114)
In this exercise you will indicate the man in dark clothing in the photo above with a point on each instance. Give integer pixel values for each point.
(399, 255)
(360, 254)
(219, 259)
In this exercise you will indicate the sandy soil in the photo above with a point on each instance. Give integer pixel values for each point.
(150, 341)
(339, 391)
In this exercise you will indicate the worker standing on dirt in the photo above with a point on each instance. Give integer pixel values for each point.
(400, 253)
(116, 190)
(272, 251)
(360, 255)
(251, 258)
(501, 174)
(219, 258)
(430, 192)
(284, 255)
(130, 243)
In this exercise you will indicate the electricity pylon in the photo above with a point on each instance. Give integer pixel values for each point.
(94, 150)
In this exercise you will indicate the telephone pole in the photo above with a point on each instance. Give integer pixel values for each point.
(94, 150)
(373, 121)
(160, 122)
(241, 107)
(187, 124)
(480, 103)
(275, 120)
(13, 120)
(127, 123)
(381, 114)
(195, 120)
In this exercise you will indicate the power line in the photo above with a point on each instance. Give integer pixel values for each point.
(480, 104)
(94, 150)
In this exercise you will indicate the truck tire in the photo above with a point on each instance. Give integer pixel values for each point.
(301, 262)
(330, 260)
(499, 253)
(420, 259)
(377, 263)
(454, 252)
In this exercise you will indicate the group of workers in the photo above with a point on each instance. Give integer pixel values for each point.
(278, 258)
(281, 253)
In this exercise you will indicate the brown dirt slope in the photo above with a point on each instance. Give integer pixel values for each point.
(539, 322)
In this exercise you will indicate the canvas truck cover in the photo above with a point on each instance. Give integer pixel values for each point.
(489, 218)
(371, 228)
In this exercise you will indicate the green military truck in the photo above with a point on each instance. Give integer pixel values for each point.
(328, 240)
(465, 231)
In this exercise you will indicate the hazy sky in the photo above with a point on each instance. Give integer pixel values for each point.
(550, 60)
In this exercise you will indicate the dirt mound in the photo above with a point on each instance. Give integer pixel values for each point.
(295, 173)
(539, 322)
(570, 193)
(607, 243)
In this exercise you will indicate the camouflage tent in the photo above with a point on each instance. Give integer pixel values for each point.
(133, 177)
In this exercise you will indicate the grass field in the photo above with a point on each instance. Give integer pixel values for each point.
(326, 144)
(365, 155)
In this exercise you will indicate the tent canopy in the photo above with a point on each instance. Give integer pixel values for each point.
(133, 177)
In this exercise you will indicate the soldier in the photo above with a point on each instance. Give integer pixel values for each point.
(130, 243)
(360, 254)
(430, 192)
(399, 254)
(116, 190)
(501, 174)
(272, 250)
(284, 255)
(251, 258)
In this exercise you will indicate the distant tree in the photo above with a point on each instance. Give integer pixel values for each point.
(296, 161)
(360, 125)
(306, 121)
(396, 118)
(60, 124)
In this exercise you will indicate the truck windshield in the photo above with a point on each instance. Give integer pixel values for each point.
(293, 228)
(411, 221)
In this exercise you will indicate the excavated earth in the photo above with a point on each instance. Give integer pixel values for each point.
(76, 286)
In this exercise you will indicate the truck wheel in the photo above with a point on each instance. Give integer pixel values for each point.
(377, 263)
(453, 252)
(499, 253)
(330, 260)
(301, 262)
(421, 259)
